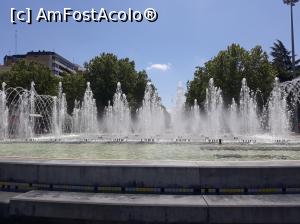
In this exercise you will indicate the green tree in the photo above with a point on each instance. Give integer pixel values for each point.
(74, 87)
(196, 89)
(228, 69)
(282, 62)
(23, 73)
(106, 70)
(103, 72)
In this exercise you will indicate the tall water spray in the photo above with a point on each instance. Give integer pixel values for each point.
(25, 126)
(195, 119)
(27, 113)
(59, 112)
(178, 113)
(233, 121)
(214, 110)
(279, 122)
(3, 113)
(117, 116)
(151, 118)
(249, 121)
(76, 117)
(292, 91)
(85, 116)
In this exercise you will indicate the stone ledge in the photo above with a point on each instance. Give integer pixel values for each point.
(155, 174)
(124, 208)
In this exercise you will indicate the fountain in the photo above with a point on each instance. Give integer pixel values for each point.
(3, 113)
(85, 116)
(279, 123)
(292, 88)
(26, 115)
(203, 150)
(178, 114)
(117, 117)
(59, 112)
(233, 120)
(195, 119)
(249, 121)
(214, 111)
(151, 120)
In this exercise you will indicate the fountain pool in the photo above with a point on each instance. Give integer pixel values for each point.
(212, 131)
(154, 151)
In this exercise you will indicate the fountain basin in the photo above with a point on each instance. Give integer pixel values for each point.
(135, 149)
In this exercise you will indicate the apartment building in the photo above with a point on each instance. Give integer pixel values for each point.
(55, 62)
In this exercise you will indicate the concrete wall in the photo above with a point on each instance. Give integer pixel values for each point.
(153, 174)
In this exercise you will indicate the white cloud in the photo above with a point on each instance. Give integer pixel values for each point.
(160, 67)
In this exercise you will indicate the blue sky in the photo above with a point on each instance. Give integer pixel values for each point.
(186, 34)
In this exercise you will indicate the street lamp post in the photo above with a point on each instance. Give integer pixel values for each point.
(292, 3)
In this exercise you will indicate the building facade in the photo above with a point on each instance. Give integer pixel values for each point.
(56, 63)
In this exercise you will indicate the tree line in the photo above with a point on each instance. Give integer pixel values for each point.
(103, 72)
(230, 66)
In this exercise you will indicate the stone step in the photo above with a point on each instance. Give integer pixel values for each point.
(4, 203)
(137, 208)
(253, 209)
(153, 174)
(110, 207)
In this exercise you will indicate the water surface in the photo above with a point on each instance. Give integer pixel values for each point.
(134, 151)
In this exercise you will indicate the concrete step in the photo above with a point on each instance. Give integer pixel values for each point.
(252, 209)
(195, 176)
(130, 208)
(127, 208)
(4, 203)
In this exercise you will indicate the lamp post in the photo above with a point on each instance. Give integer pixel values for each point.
(292, 3)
